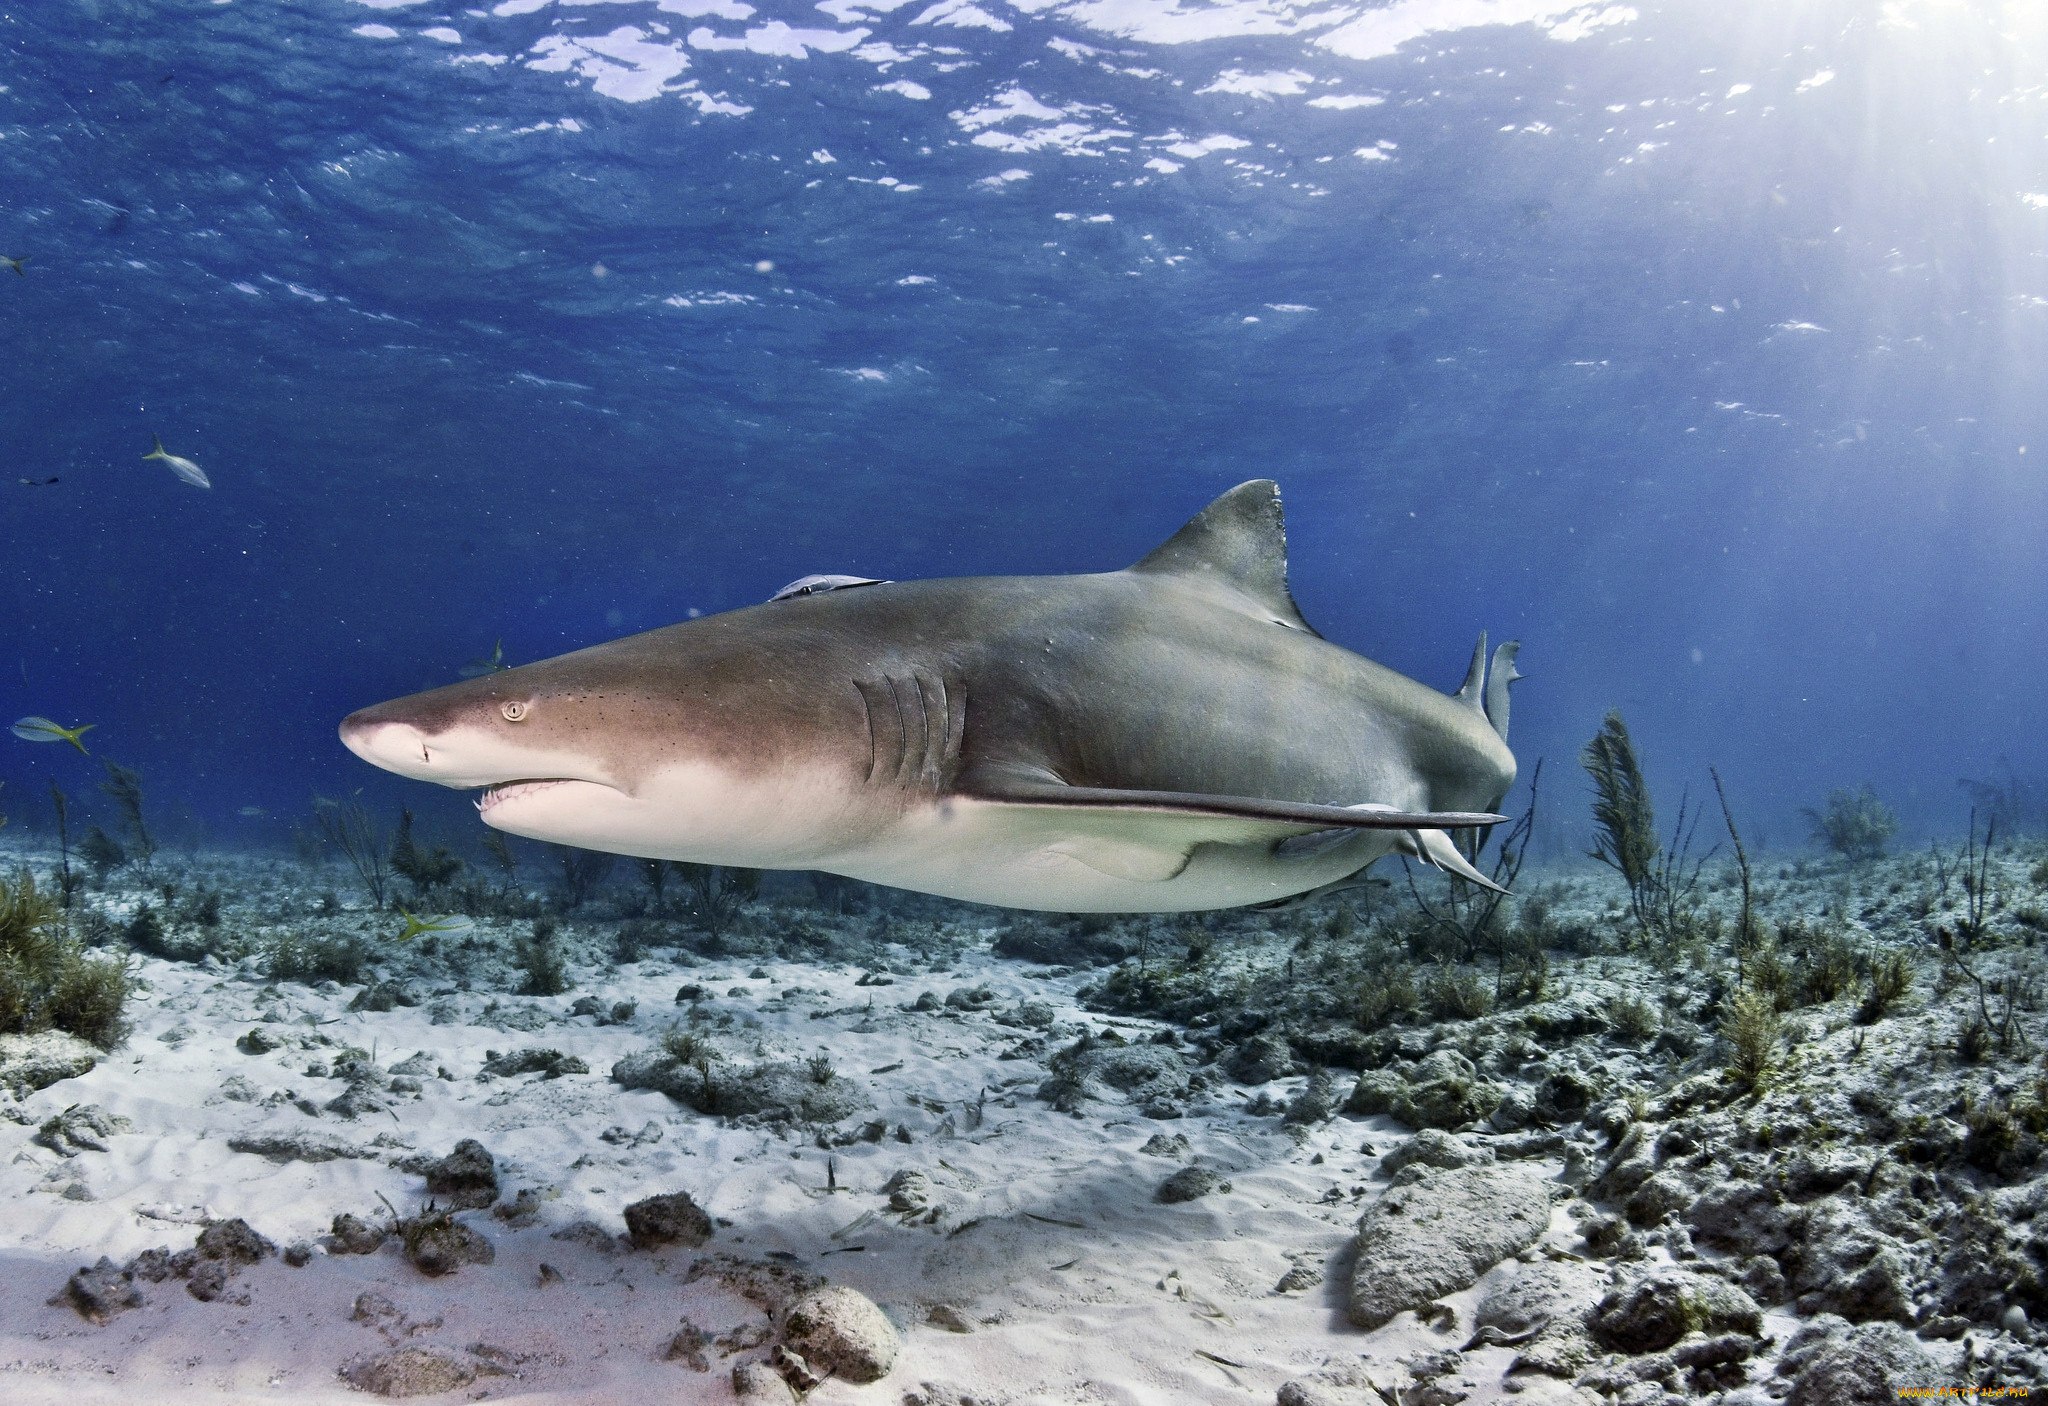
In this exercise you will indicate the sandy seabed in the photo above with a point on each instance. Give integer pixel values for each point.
(1029, 1259)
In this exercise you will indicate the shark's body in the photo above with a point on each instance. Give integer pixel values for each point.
(1169, 737)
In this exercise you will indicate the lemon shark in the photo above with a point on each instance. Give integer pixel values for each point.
(1168, 737)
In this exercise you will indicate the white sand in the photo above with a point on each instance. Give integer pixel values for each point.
(1083, 1288)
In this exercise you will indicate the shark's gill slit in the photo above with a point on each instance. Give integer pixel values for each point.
(884, 757)
(956, 730)
(911, 758)
(935, 727)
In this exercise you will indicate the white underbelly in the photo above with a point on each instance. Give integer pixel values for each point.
(1084, 861)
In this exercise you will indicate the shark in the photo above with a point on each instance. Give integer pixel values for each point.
(1168, 737)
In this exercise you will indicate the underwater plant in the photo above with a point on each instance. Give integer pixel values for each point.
(1746, 932)
(1751, 1030)
(348, 827)
(1472, 917)
(426, 870)
(1854, 824)
(1661, 878)
(102, 853)
(69, 881)
(718, 894)
(310, 960)
(47, 982)
(124, 784)
(1627, 841)
(583, 870)
(540, 960)
(1891, 977)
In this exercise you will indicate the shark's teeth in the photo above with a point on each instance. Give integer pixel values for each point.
(494, 795)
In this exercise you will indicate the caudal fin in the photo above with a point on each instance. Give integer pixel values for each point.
(1499, 677)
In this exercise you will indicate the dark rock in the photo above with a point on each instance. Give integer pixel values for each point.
(1259, 1060)
(1566, 1096)
(1075, 944)
(299, 1254)
(1299, 1279)
(380, 996)
(438, 1244)
(1433, 1147)
(1314, 1103)
(1174, 1145)
(769, 1091)
(548, 1063)
(1656, 1197)
(1741, 1217)
(83, 1127)
(234, 1242)
(1187, 1184)
(522, 1210)
(352, 1235)
(466, 1179)
(673, 1219)
(257, 1040)
(1654, 1311)
(363, 1096)
(1880, 1289)
(687, 1347)
(209, 1280)
(100, 1292)
(152, 1265)
(1762, 1279)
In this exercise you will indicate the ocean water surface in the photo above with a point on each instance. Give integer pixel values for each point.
(1699, 346)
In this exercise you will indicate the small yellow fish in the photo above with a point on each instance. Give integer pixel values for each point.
(414, 925)
(35, 729)
(181, 466)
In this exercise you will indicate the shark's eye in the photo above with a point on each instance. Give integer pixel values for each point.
(513, 710)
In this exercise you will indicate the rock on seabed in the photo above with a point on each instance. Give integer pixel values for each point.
(1435, 1232)
(840, 1331)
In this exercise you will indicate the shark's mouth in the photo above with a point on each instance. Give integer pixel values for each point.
(497, 795)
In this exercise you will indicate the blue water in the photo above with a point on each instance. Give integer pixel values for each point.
(1701, 346)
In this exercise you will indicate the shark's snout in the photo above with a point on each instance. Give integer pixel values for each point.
(394, 746)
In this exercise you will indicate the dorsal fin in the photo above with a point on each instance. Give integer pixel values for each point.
(1237, 544)
(1475, 676)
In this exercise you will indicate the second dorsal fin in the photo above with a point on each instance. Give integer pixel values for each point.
(1469, 692)
(1238, 544)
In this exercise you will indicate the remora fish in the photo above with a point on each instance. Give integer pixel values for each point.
(181, 466)
(1168, 737)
